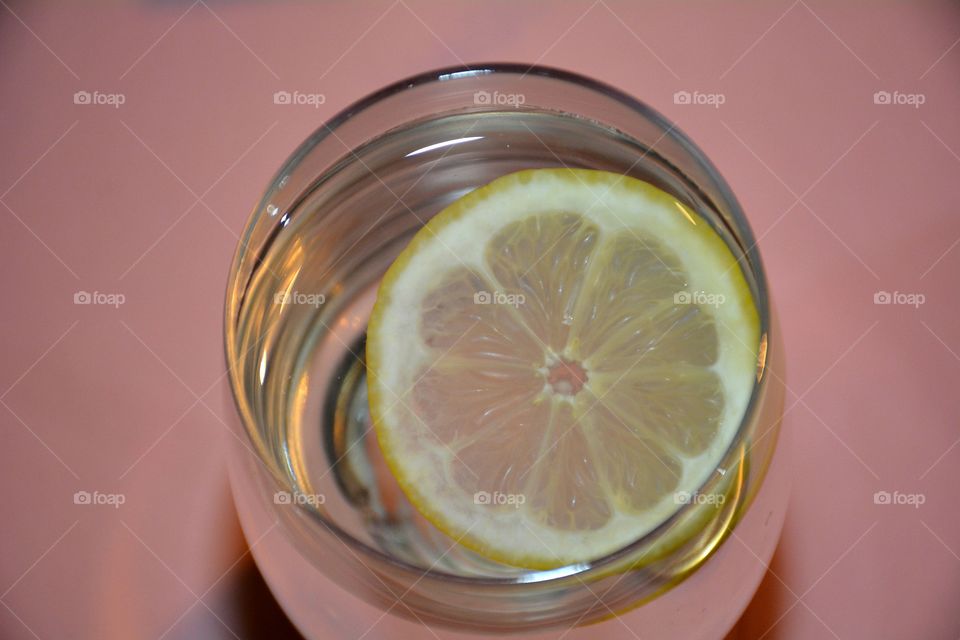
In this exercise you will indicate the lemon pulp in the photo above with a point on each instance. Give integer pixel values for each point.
(556, 360)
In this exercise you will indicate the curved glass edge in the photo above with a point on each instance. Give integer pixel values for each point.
(236, 287)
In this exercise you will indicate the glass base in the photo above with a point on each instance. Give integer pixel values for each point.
(705, 606)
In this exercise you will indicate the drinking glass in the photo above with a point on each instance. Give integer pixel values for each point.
(307, 469)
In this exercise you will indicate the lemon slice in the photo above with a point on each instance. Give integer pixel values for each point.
(554, 359)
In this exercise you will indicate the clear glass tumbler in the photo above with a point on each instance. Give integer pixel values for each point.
(307, 468)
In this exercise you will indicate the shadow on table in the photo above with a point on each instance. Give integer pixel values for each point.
(258, 615)
(771, 600)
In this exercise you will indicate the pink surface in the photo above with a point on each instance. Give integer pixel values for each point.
(849, 198)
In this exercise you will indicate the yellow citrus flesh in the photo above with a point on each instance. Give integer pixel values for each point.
(554, 359)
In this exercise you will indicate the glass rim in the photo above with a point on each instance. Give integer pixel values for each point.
(740, 229)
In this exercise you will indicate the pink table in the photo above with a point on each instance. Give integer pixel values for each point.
(853, 193)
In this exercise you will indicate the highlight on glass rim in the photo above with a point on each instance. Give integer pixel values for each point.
(506, 367)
